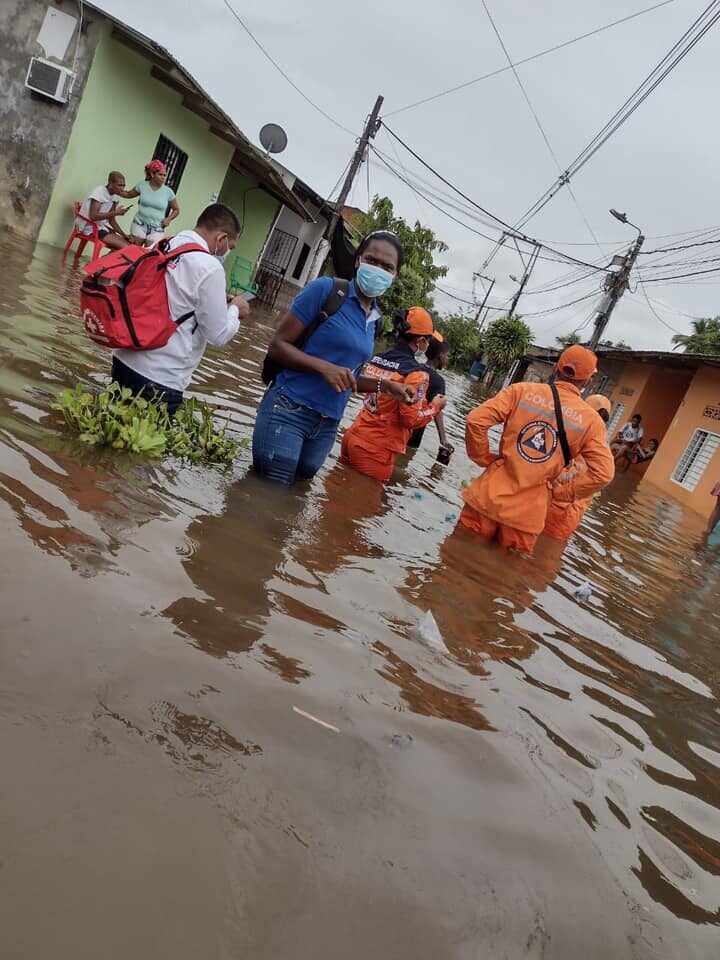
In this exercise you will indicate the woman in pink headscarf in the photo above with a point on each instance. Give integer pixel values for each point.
(157, 206)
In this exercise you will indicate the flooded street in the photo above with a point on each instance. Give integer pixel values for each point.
(541, 781)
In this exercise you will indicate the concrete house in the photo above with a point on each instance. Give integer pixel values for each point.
(678, 397)
(123, 100)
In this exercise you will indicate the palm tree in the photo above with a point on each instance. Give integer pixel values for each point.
(703, 338)
(506, 340)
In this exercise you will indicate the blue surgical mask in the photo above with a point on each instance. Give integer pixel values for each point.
(373, 281)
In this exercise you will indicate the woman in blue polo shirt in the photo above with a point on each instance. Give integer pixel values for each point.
(298, 418)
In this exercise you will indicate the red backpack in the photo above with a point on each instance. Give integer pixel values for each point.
(124, 299)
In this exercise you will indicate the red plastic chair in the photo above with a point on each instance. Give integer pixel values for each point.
(92, 237)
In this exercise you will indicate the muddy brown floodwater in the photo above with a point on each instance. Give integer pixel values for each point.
(544, 781)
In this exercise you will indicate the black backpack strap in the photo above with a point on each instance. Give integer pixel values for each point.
(334, 300)
(562, 435)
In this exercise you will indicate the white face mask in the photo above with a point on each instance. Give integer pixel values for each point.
(222, 257)
(421, 356)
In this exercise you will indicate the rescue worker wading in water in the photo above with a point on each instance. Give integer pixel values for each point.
(563, 519)
(381, 431)
(510, 500)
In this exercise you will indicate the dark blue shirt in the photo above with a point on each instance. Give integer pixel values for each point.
(345, 339)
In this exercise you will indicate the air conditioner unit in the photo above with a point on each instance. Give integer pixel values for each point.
(49, 79)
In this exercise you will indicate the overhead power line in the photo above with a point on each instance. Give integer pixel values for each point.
(535, 56)
(558, 257)
(471, 303)
(681, 276)
(664, 236)
(559, 306)
(507, 228)
(697, 30)
(685, 246)
(306, 98)
(538, 123)
(641, 284)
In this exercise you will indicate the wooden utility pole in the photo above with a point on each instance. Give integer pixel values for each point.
(371, 128)
(524, 280)
(485, 300)
(615, 286)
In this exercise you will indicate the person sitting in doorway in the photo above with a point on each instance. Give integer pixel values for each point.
(639, 455)
(157, 205)
(628, 438)
(102, 206)
(195, 288)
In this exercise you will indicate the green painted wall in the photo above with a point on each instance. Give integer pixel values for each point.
(122, 113)
(256, 211)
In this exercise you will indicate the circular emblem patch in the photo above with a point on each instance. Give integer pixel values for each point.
(537, 441)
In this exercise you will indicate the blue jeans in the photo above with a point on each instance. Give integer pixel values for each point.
(290, 441)
(123, 375)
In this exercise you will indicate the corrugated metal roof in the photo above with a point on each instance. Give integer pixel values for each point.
(689, 361)
(660, 357)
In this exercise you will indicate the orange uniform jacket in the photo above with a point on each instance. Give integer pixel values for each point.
(384, 426)
(563, 519)
(515, 489)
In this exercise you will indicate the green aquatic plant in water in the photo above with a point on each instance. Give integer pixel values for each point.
(117, 418)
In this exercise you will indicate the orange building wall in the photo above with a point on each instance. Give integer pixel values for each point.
(629, 389)
(660, 400)
(704, 390)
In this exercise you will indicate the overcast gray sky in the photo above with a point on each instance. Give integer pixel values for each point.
(661, 167)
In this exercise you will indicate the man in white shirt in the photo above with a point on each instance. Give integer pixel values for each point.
(628, 438)
(196, 290)
(102, 206)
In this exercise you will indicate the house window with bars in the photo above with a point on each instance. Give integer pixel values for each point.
(696, 458)
(174, 159)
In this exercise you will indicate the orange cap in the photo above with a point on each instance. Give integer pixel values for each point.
(577, 363)
(599, 401)
(419, 322)
(438, 336)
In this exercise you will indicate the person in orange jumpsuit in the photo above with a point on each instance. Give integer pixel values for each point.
(564, 518)
(510, 500)
(382, 429)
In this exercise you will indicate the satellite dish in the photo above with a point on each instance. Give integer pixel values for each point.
(273, 138)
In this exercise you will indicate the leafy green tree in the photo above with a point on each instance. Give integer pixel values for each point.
(507, 339)
(464, 338)
(704, 337)
(416, 282)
